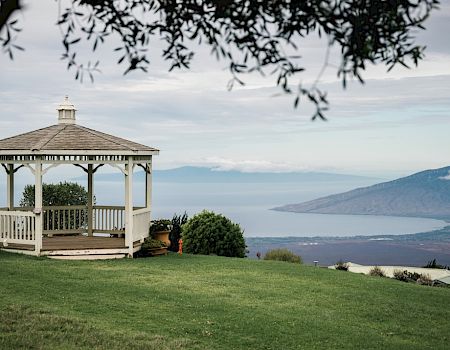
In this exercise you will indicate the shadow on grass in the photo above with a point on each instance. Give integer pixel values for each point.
(23, 327)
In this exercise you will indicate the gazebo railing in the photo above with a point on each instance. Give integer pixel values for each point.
(17, 227)
(109, 219)
(106, 219)
(141, 223)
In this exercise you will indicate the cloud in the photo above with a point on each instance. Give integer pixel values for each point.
(255, 165)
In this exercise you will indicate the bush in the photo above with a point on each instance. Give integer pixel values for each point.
(210, 233)
(340, 265)
(406, 276)
(148, 245)
(425, 279)
(401, 275)
(283, 255)
(63, 193)
(377, 271)
(175, 233)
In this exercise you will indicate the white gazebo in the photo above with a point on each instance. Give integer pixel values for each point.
(88, 231)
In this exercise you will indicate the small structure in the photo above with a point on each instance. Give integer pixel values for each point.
(73, 231)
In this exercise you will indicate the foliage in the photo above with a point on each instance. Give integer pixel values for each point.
(249, 36)
(175, 233)
(340, 265)
(377, 271)
(432, 264)
(63, 193)
(209, 302)
(406, 276)
(148, 245)
(159, 225)
(401, 275)
(209, 233)
(425, 279)
(282, 254)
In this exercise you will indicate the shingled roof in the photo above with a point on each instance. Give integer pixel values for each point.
(69, 137)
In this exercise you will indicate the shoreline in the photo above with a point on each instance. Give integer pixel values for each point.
(409, 249)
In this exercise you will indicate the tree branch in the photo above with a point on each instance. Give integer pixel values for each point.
(8, 7)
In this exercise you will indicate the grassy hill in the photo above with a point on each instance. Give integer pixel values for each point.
(205, 302)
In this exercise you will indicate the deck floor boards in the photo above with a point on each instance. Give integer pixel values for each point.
(82, 242)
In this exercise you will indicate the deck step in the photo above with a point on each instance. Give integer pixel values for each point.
(69, 252)
(88, 257)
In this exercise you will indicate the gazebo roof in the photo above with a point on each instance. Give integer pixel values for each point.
(69, 138)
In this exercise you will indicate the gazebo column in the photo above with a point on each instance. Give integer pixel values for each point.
(38, 205)
(10, 187)
(148, 185)
(90, 204)
(129, 205)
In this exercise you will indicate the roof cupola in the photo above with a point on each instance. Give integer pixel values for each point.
(66, 112)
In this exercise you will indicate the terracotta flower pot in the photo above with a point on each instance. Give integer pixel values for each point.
(163, 236)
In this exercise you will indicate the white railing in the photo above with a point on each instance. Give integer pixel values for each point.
(141, 224)
(108, 219)
(73, 219)
(65, 219)
(17, 227)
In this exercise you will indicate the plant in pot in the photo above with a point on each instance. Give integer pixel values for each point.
(153, 247)
(160, 230)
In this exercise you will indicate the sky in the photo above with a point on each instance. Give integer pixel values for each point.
(396, 124)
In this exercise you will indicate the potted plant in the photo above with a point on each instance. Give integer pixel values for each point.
(153, 247)
(160, 230)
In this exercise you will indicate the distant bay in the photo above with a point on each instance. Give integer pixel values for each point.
(249, 205)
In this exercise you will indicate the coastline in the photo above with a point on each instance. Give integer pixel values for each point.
(409, 249)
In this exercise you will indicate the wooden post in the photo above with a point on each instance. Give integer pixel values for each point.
(90, 173)
(129, 206)
(38, 205)
(10, 187)
(148, 186)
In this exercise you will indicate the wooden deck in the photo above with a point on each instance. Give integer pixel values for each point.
(77, 247)
(81, 242)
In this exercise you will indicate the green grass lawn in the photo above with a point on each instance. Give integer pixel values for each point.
(205, 302)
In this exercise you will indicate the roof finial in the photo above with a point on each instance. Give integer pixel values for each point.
(66, 112)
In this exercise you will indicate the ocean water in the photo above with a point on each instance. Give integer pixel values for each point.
(250, 204)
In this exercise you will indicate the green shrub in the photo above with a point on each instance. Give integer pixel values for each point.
(209, 233)
(377, 271)
(282, 254)
(340, 265)
(61, 194)
(148, 245)
(175, 233)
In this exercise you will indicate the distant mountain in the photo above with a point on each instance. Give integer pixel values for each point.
(191, 174)
(424, 194)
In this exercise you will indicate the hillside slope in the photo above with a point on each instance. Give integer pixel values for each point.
(210, 302)
(424, 194)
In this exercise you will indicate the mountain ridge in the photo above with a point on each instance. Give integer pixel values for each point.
(192, 174)
(423, 194)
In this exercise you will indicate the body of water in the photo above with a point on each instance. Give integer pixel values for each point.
(249, 205)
